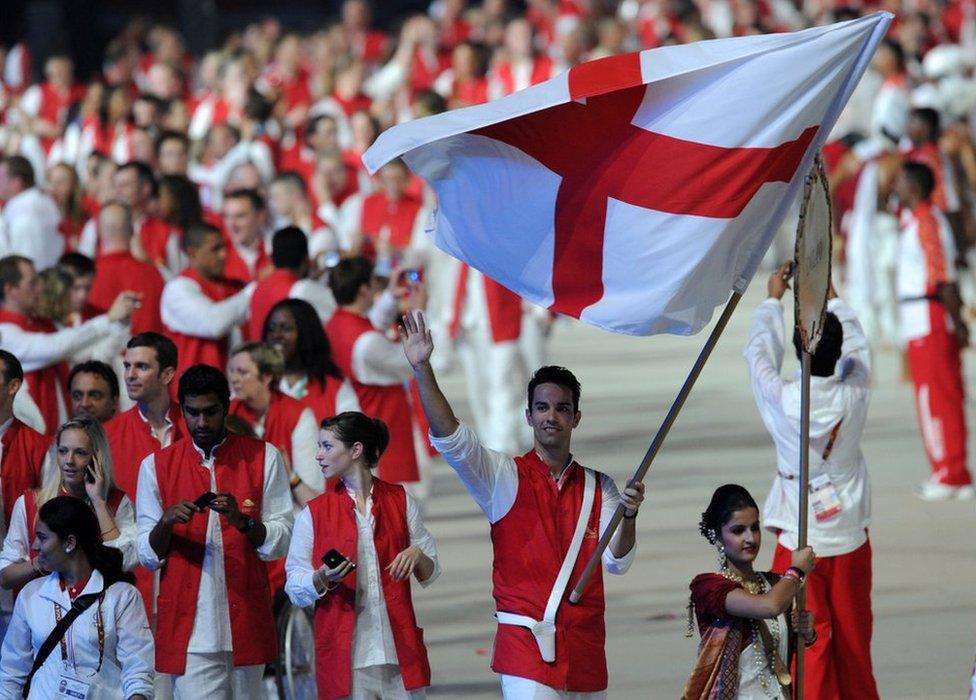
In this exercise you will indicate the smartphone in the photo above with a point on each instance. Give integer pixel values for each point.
(89, 473)
(408, 277)
(203, 500)
(334, 558)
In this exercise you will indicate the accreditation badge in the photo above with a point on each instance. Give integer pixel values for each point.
(72, 688)
(824, 499)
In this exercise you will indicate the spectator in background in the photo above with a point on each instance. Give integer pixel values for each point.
(30, 219)
(93, 388)
(245, 220)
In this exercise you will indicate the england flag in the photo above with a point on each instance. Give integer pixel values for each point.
(636, 192)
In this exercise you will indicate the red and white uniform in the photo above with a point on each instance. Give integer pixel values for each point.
(44, 351)
(839, 594)
(506, 78)
(283, 284)
(367, 621)
(201, 315)
(925, 261)
(160, 241)
(397, 221)
(331, 397)
(290, 426)
(533, 520)
(378, 372)
(29, 227)
(45, 101)
(212, 569)
(22, 453)
(486, 322)
(944, 196)
(119, 272)
(131, 440)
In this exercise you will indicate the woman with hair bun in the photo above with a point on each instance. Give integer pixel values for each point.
(84, 472)
(353, 550)
(747, 640)
(107, 652)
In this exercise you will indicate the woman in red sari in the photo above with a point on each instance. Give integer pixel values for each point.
(747, 640)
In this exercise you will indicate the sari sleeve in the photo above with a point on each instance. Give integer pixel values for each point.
(708, 593)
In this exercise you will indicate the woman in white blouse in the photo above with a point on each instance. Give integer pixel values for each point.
(107, 652)
(84, 472)
(352, 553)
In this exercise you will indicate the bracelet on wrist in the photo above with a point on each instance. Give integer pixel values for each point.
(295, 480)
(630, 517)
(798, 571)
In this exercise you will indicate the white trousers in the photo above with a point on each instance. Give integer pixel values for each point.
(214, 677)
(495, 389)
(517, 688)
(382, 683)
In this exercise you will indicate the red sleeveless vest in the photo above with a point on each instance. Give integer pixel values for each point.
(270, 291)
(529, 544)
(239, 470)
(279, 422)
(504, 308)
(388, 403)
(42, 383)
(154, 234)
(236, 268)
(20, 464)
(321, 397)
(334, 526)
(195, 350)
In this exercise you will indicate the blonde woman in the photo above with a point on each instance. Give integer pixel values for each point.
(84, 472)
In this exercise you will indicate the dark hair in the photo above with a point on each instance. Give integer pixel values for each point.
(67, 515)
(257, 106)
(98, 368)
(200, 380)
(920, 175)
(186, 195)
(429, 102)
(725, 501)
(12, 369)
(20, 168)
(165, 348)
(352, 427)
(78, 264)
(347, 277)
(897, 50)
(824, 359)
(143, 172)
(930, 118)
(10, 272)
(195, 235)
(256, 200)
(289, 248)
(313, 123)
(313, 353)
(552, 374)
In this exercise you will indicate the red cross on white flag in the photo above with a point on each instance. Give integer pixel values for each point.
(636, 192)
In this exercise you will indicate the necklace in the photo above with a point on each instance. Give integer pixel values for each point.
(767, 680)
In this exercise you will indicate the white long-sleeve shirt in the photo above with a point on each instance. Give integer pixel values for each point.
(186, 309)
(492, 480)
(29, 227)
(128, 656)
(316, 294)
(844, 396)
(17, 543)
(372, 637)
(211, 619)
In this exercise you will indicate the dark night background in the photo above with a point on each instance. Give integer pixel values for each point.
(82, 28)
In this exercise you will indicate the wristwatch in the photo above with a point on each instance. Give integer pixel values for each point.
(247, 524)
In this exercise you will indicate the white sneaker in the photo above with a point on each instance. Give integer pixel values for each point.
(937, 491)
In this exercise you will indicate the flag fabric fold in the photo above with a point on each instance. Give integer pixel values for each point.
(636, 192)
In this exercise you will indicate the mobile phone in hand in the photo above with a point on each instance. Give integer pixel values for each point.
(90, 473)
(204, 499)
(333, 558)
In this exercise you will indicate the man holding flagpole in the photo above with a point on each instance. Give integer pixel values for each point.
(545, 648)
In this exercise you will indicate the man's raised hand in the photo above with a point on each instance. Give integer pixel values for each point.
(416, 338)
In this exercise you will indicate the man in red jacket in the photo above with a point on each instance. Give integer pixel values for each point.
(117, 269)
(22, 451)
(546, 509)
(215, 628)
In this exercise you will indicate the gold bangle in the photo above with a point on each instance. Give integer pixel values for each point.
(295, 480)
(114, 527)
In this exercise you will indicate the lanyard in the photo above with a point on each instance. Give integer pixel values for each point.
(99, 624)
